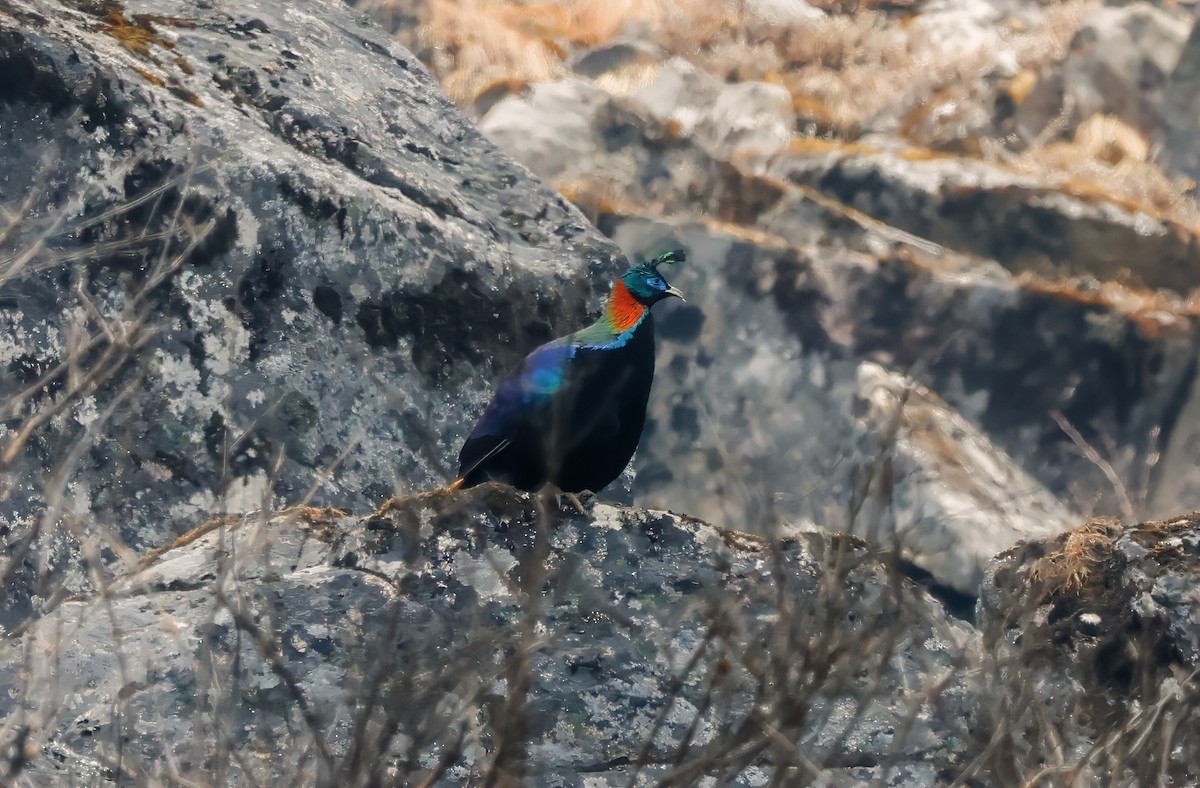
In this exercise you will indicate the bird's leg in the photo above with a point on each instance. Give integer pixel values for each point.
(573, 499)
(576, 499)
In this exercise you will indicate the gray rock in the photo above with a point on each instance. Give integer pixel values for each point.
(258, 256)
(337, 650)
(947, 28)
(1105, 622)
(680, 93)
(982, 209)
(1120, 61)
(550, 126)
(837, 253)
(938, 489)
(751, 417)
(1181, 107)
(749, 117)
(614, 58)
(782, 12)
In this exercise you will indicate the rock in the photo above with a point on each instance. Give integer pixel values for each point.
(1181, 108)
(751, 417)
(557, 120)
(267, 259)
(1021, 221)
(811, 260)
(340, 649)
(1105, 622)
(681, 93)
(610, 59)
(1120, 60)
(936, 487)
(782, 12)
(749, 117)
(947, 28)
(1119, 64)
(562, 130)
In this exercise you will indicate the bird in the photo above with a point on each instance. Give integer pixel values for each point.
(573, 415)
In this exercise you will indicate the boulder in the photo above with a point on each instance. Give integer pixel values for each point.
(782, 12)
(810, 260)
(1024, 222)
(937, 489)
(752, 412)
(1181, 108)
(555, 119)
(680, 93)
(461, 637)
(749, 117)
(257, 257)
(1119, 63)
(1103, 625)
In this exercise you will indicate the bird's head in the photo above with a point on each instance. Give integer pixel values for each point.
(647, 284)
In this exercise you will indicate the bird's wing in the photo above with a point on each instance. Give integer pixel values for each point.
(545, 371)
(525, 398)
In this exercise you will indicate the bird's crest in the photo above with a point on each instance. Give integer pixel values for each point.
(668, 258)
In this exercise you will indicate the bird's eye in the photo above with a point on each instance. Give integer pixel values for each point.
(657, 282)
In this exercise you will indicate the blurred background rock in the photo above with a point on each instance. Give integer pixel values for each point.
(994, 196)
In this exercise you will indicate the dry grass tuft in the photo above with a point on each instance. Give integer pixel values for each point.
(1108, 160)
(597, 196)
(1154, 312)
(471, 44)
(1083, 552)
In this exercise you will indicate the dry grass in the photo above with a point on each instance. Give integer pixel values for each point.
(1108, 160)
(472, 44)
(842, 69)
(1155, 312)
(856, 67)
(1071, 566)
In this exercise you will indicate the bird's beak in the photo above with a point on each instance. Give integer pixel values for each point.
(674, 291)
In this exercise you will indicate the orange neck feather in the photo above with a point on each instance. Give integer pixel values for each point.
(624, 311)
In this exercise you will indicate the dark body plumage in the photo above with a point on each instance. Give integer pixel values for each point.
(574, 414)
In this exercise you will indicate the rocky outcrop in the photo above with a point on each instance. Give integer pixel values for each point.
(488, 634)
(1105, 622)
(843, 252)
(1119, 63)
(462, 637)
(980, 209)
(1181, 110)
(1017, 359)
(256, 257)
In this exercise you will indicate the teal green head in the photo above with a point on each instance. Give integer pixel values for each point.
(646, 283)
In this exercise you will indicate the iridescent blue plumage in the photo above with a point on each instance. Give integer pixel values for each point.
(573, 415)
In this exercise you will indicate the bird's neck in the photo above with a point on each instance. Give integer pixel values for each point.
(620, 319)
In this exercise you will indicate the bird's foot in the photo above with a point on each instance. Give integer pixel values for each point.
(575, 500)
